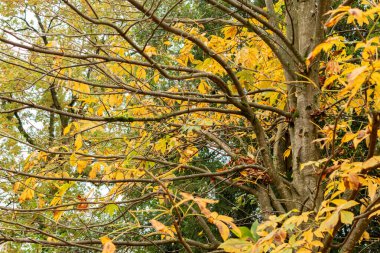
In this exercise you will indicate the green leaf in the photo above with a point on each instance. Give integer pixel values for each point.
(255, 236)
(244, 233)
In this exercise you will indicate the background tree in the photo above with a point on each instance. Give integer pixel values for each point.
(124, 122)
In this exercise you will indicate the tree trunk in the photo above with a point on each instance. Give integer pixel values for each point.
(305, 29)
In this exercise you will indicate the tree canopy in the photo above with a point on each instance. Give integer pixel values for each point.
(189, 126)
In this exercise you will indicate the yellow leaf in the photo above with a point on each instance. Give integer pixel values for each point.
(115, 100)
(16, 186)
(338, 14)
(27, 194)
(223, 229)
(81, 164)
(318, 233)
(346, 217)
(330, 223)
(372, 162)
(366, 236)
(67, 129)
(372, 189)
(317, 243)
(158, 226)
(355, 73)
(303, 250)
(108, 246)
(356, 14)
(150, 51)
(52, 44)
(78, 142)
(57, 215)
(348, 205)
(95, 169)
(287, 152)
(325, 46)
(348, 137)
(140, 73)
(100, 111)
(203, 87)
(81, 87)
(73, 160)
(230, 32)
(374, 214)
(156, 75)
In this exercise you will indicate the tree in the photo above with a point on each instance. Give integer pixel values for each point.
(124, 123)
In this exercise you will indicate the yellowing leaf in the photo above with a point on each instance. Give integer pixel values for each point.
(237, 246)
(337, 15)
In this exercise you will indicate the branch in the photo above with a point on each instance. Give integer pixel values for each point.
(217, 80)
(21, 128)
(218, 141)
(136, 180)
(14, 110)
(121, 118)
(98, 242)
(202, 21)
(197, 42)
(373, 135)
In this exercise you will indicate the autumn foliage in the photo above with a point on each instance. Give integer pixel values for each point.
(189, 126)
